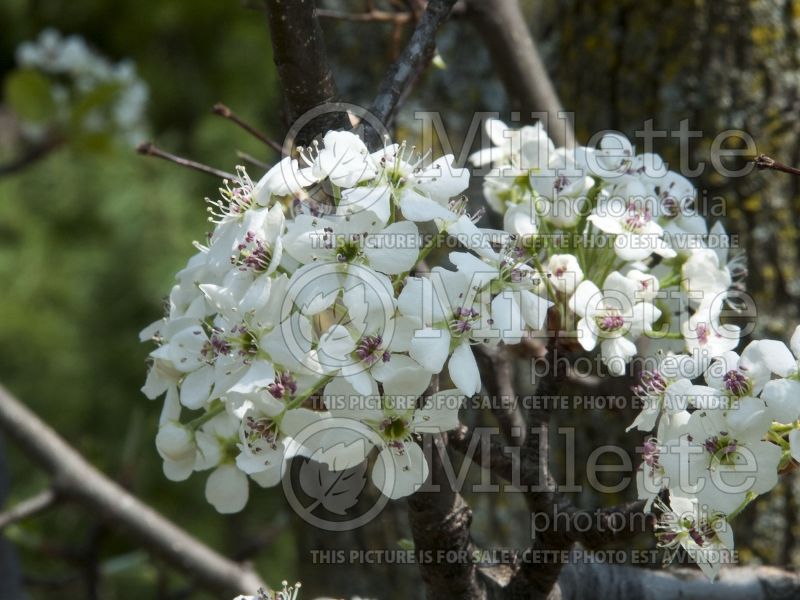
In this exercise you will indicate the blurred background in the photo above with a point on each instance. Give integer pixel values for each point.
(91, 236)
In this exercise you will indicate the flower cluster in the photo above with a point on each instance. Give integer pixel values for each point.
(716, 446)
(293, 330)
(309, 324)
(619, 242)
(83, 87)
(628, 255)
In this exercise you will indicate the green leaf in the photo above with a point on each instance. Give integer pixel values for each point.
(405, 544)
(98, 98)
(28, 94)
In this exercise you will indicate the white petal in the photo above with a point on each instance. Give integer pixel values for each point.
(794, 444)
(586, 296)
(400, 472)
(416, 207)
(395, 249)
(227, 489)
(440, 412)
(794, 343)
(587, 337)
(258, 376)
(403, 388)
(783, 399)
(430, 348)
(178, 471)
(196, 387)
(374, 199)
(534, 309)
(463, 370)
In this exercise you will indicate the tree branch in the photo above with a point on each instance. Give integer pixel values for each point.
(408, 67)
(226, 113)
(587, 581)
(514, 54)
(30, 156)
(440, 522)
(497, 372)
(76, 479)
(298, 48)
(762, 162)
(150, 149)
(28, 508)
(370, 16)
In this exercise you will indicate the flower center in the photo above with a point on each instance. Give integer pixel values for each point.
(260, 434)
(252, 255)
(283, 383)
(395, 429)
(215, 347)
(650, 454)
(722, 448)
(636, 218)
(348, 247)
(560, 183)
(610, 321)
(244, 339)
(369, 350)
(464, 320)
(703, 331)
(737, 383)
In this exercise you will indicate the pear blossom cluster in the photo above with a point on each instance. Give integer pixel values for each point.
(81, 77)
(717, 441)
(629, 257)
(333, 311)
(295, 329)
(625, 254)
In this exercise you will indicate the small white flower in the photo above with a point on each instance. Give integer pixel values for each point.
(629, 218)
(720, 464)
(706, 537)
(566, 272)
(614, 317)
(526, 148)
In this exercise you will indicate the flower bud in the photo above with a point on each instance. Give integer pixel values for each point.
(175, 442)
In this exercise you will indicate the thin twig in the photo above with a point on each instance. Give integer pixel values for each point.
(762, 161)
(28, 508)
(253, 160)
(375, 16)
(77, 480)
(31, 155)
(223, 111)
(150, 149)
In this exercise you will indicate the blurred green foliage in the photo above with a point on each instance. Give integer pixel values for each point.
(90, 243)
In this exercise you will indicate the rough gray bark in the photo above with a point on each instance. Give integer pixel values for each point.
(590, 581)
(719, 65)
(301, 59)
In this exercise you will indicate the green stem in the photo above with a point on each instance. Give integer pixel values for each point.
(750, 497)
(778, 439)
(299, 400)
(674, 279)
(665, 336)
(216, 408)
(780, 429)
